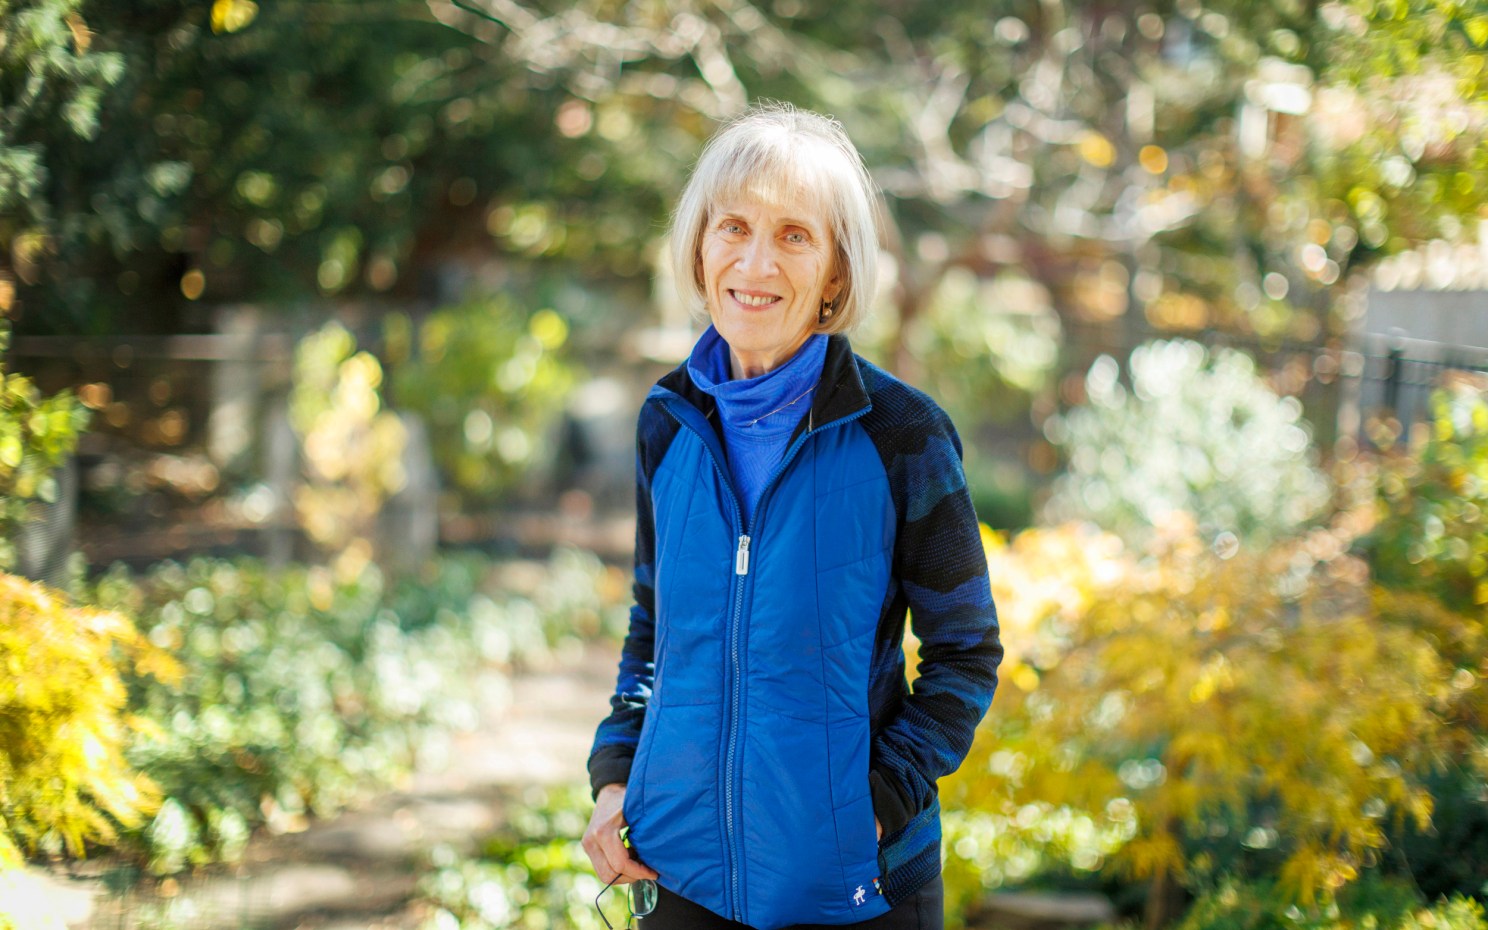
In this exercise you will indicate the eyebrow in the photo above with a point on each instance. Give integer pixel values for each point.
(724, 213)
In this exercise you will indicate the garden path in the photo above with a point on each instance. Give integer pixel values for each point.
(359, 870)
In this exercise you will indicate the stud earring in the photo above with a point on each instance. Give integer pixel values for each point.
(826, 312)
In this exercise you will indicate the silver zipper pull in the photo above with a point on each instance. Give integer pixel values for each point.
(741, 557)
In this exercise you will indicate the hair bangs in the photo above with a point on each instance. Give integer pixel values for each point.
(778, 170)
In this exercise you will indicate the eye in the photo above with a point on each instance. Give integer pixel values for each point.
(733, 227)
(796, 238)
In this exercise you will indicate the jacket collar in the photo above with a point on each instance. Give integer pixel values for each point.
(840, 392)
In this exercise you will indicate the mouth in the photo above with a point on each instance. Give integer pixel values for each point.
(754, 300)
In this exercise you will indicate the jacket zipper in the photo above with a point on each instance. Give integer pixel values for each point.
(741, 570)
(741, 573)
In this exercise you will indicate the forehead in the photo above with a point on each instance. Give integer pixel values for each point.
(787, 181)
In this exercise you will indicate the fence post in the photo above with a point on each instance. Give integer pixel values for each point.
(44, 541)
(1394, 361)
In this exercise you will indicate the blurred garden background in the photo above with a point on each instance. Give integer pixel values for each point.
(325, 324)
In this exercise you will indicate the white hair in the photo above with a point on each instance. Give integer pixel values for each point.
(776, 153)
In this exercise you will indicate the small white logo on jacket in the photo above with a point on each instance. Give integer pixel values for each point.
(858, 896)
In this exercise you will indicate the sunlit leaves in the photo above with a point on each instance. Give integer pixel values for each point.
(490, 380)
(352, 447)
(233, 15)
(64, 723)
(52, 83)
(1433, 530)
(36, 435)
(1255, 694)
(1194, 433)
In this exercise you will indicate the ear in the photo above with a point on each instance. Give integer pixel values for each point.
(833, 287)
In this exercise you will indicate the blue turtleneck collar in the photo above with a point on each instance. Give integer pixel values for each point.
(758, 414)
(757, 400)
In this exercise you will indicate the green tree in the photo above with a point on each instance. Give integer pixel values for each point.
(1169, 167)
(51, 84)
(1111, 155)
(310, 149)
(489, 380)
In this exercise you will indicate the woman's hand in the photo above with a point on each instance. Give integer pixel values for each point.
(612, 860)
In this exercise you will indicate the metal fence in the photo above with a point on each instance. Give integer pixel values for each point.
(1342, 386)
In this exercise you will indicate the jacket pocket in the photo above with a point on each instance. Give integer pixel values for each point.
(910, 856)
(635, 787)
(857, 847)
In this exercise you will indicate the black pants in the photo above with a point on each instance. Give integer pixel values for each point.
(923, 910)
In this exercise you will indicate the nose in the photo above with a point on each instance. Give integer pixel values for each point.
(758, 257)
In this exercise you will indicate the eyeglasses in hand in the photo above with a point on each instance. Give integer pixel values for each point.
(640, 895)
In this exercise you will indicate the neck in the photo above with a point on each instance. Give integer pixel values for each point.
(753, 364)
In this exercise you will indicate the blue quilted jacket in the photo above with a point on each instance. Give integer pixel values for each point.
(762, 715)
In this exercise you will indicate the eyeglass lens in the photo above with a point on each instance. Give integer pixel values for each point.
(642, 897)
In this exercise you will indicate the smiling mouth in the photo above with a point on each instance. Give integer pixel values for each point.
(753, 300)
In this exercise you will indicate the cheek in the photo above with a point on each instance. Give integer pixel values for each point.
(707, 265)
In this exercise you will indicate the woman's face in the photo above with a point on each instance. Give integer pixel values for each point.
(766, 268)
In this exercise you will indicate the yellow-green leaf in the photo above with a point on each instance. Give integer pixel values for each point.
(232, 15)
(1477, 30)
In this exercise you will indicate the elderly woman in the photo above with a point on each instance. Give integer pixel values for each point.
(765, 762)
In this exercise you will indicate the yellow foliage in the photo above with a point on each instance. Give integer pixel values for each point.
(1043, 582)
(1462, 640)
(1260, 693)
(232, 15)
(64, 781)
(353, 448)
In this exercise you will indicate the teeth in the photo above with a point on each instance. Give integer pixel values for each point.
(749, 300)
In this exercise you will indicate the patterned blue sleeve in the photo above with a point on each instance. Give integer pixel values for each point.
(941, 578)
(615, 741)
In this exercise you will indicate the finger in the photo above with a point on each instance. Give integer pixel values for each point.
(622, 859)
(635, 870)
(616, 856)
(606, 853)
(599, 861)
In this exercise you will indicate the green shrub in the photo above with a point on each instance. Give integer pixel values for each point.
(1429, 553)
(352, 447)
(64, 724)
(1373, 903)
(986, 345)
(534, 875)
(1432, 534)
(36, 435)
(301, 692)
(1196, 433)
(489, 380)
